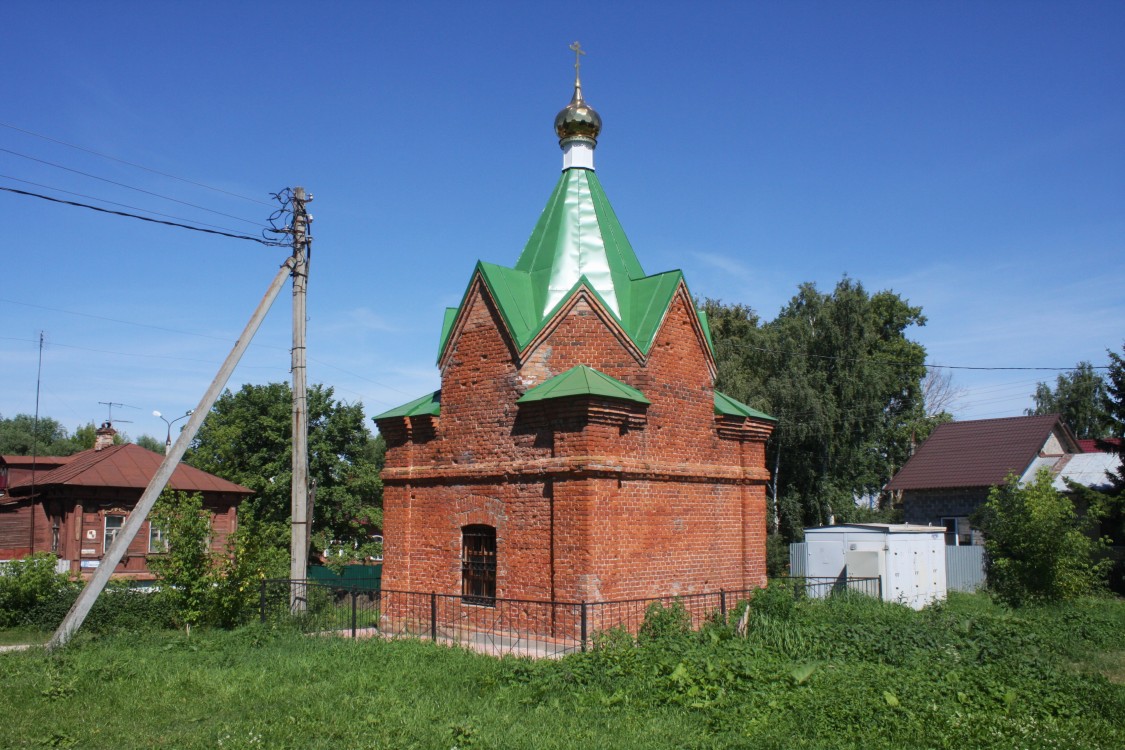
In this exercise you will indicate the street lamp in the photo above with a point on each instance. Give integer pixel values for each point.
(168, 441)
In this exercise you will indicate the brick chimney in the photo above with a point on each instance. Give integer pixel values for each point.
(103, 438)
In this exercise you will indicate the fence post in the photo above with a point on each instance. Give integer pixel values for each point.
(583, 624)
(433, 616)
(722, 603)
(355, 593)
(880, 588)
(262, 602)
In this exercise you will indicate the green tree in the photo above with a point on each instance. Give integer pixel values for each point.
(186, 566)
(1080, 396)
(153, 444)
(844, 381)
(246, 439)
(1035, 544)
(1115, 409)
(20, 436)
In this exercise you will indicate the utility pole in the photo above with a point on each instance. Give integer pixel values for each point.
(299, 541)
(136, 517)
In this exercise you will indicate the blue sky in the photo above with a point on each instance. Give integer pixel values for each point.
(969, 156)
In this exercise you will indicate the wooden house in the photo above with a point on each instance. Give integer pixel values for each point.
(75, 506)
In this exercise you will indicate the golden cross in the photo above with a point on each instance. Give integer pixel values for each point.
(578, 52)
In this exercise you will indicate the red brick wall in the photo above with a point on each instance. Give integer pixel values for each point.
(591, 499)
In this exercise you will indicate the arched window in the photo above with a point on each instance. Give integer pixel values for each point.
(478, 564)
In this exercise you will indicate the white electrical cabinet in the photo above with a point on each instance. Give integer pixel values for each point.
(909, 559)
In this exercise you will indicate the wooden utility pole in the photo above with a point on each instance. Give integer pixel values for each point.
(299, 541)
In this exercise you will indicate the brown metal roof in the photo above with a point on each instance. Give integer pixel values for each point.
(128, 466)
(977, 453)
(27, 461)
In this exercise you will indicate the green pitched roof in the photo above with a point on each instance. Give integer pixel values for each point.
(577, 242)
(578, 235)
(430, 404)
(728, 406)
(582, 381)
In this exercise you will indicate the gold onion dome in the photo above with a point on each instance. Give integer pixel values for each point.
(578, 120)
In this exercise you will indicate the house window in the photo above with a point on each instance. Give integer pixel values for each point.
(156, 540)
(478, 564)
(958, 533)
(113, 526)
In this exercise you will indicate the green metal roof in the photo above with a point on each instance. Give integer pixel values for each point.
(706, 323)
(582, 381)
(577, 242)
(430, 404)
(724, 404)
(578, 235)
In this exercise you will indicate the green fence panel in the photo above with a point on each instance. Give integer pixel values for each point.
(365, 577)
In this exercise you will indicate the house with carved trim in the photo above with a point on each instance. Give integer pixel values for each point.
(75, 506)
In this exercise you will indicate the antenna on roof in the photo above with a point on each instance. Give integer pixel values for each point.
(110, 404)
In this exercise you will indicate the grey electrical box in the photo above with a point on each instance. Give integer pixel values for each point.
(909, 559)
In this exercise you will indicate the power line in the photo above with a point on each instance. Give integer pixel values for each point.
(130, 354)
(128, 187)
(226, 339)
(113, 203)
(259, 240)
(192, 333)
(138, 166)
(893, 363)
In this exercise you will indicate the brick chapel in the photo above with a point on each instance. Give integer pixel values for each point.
(577, 449)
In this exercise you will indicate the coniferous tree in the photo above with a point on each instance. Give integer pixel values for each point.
(1115, 408)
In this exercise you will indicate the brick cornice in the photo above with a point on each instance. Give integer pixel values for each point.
(731, 428)
(577, 467)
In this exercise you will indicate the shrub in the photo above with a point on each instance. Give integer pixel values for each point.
(200, 587)
(664, 622)
(186, 567)
(777, 556)
(1035, 545)
(118, 609)
(26, 583)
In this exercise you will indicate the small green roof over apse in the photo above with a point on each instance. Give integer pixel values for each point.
(428, 405)
(730, 407)
(582, 381)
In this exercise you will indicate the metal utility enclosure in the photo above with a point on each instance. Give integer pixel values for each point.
(910, 559)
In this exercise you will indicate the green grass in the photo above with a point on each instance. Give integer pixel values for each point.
(851, 673)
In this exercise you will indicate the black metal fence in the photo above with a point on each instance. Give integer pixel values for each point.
(500, 626)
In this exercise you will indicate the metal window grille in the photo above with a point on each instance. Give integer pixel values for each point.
(478, 565)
